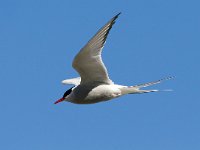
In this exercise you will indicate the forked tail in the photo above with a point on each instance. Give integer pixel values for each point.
(136, 89)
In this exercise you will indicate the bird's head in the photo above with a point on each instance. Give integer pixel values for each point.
(64, 95)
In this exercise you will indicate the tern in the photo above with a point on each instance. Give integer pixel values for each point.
(94, 84)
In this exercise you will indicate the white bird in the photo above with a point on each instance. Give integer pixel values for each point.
(94, 84)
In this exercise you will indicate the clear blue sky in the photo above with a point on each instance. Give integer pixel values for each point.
(151, 39)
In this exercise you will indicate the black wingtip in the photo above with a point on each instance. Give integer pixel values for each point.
(114, 18)
(117, 15)
(111, 22)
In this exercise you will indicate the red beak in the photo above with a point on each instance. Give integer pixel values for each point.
(60, 100)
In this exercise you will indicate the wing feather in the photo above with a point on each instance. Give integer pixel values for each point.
(88, 62)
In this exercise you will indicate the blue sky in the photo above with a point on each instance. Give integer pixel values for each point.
(150, 40)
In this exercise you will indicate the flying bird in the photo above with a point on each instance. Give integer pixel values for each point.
(94, 84)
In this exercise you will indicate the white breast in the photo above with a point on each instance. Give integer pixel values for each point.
(93, 94)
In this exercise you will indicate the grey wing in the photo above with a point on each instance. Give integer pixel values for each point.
(88, 62)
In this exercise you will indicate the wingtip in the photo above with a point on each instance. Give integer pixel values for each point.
(117, 15)
(114, 18)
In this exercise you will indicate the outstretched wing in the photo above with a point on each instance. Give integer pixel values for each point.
(88, 62)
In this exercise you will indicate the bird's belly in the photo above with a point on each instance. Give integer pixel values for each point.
(95, 94)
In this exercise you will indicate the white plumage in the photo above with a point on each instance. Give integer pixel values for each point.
(94, 84)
